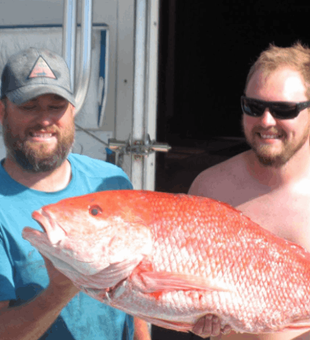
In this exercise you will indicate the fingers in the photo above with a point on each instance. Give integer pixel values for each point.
(227, 329)
(209, 325)
(203, 326)
(57, 279)
(216, 326)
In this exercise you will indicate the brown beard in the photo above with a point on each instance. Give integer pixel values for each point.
(38, 160)
(274, 160)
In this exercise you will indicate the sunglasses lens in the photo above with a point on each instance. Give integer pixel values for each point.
(284, 111)
(253, 108)
(256, 108)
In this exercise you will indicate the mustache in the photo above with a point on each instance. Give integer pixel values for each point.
(271, 130)
(48, 129)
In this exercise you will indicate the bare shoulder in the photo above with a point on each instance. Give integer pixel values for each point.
(222, 179)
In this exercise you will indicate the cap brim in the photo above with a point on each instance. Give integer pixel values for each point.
(24, 94)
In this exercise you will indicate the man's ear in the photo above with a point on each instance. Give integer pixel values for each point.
(2, 111)
(73, 110)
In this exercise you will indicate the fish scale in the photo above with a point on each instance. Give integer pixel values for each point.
(171, 259)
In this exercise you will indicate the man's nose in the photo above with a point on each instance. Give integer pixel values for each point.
(45, 118)
(267, 119)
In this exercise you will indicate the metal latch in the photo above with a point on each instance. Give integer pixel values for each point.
(138, 148)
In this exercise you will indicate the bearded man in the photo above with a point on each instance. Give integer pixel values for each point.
(37, 111)
(271, 182)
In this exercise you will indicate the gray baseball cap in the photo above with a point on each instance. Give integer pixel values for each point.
(34, 72)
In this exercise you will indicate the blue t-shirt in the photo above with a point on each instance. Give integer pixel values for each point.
(22, 270)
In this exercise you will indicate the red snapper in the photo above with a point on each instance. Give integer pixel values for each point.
(170, 259)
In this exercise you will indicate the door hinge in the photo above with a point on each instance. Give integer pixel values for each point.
(137, 148)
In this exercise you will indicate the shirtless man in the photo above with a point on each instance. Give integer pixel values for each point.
(271, 182)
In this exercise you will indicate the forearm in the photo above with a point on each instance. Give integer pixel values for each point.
(142, 331)
(31, 320)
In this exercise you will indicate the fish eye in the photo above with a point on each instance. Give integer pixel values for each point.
(95, 210)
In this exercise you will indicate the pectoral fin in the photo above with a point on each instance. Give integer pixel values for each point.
(155, 282)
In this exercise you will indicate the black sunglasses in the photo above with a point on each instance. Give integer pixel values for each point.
(279, 110)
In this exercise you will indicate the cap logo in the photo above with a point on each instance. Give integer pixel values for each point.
(41, 69)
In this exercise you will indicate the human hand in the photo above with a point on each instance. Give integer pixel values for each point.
(209, 325)
(58, 281)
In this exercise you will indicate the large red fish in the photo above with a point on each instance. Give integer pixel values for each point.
(171, 259)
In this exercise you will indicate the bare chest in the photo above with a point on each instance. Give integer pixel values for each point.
(287, 217)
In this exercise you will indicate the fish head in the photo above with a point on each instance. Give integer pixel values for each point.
(92, 233)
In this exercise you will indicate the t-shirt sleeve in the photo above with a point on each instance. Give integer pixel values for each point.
(7, 291)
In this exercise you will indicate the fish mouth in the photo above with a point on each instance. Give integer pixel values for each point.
(55, 234)
(53, 230)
